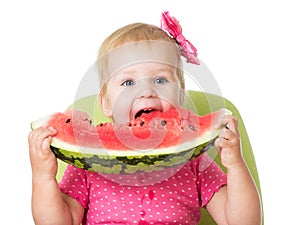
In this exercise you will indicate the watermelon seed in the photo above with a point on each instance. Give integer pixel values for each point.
(163, 123)
(142, 123)
(68, 120)
(191, 127)
(90, 121)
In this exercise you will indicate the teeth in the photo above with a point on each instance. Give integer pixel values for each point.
(143, 111)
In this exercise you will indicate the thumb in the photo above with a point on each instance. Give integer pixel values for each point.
(46, 145)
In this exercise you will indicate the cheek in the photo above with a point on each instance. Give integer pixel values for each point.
(122, 97)
(171, 94)
(120, 103)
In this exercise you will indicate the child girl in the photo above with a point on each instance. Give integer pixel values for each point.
(139, 67)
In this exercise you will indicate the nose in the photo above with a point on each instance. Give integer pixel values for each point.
(146, 89)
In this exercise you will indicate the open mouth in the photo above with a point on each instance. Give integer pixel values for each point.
(141, 112)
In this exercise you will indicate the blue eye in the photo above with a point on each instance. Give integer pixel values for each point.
(128, 83)
(160, 80)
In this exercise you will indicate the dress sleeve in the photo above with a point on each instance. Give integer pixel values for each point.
(74, 184)
(210, 179)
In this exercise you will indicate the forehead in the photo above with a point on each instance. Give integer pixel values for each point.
(146, 68)
(160, 53)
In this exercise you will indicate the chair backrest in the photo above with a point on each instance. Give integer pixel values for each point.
(201, 103)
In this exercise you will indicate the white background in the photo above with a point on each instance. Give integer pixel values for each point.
(251, 47)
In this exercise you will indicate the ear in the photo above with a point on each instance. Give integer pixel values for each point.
(105, 106)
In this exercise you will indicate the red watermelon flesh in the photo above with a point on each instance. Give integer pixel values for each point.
(149, 131)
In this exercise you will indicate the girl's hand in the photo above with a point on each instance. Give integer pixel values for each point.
(228, 143)
(43, 161)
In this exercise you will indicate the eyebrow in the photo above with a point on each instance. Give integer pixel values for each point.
(130, 71)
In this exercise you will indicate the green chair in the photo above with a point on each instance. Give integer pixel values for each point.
(199, 102)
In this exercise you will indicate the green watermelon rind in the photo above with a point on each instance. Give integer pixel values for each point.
(123, 164)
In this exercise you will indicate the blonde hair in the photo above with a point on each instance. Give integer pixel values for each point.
(133, 33)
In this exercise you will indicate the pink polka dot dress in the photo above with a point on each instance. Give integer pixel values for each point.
(175, 200)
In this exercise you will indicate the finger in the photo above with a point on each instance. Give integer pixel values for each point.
(32, 138)
(226, 134)
(44, 134)
(217, 144)
(39, 135)
(222, 143)
(39, 130)
(231, 123)
(228, 138)
(46, 145)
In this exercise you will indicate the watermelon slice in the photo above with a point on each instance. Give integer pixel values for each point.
(152, 142)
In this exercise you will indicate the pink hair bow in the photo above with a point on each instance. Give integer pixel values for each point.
(172, 26)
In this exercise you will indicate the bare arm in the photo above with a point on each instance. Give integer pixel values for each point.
(49, 205)
(239, 201)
